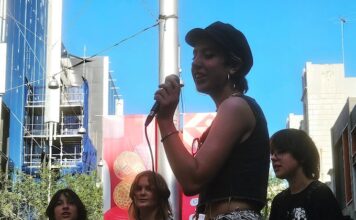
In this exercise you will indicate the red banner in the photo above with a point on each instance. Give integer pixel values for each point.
(194, 124)
(126, 153)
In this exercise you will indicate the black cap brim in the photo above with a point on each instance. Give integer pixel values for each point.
(197, 34)
(229, 38)
(194, 35)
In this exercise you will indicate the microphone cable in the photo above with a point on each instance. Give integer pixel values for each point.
(150, 148)
(150, 118)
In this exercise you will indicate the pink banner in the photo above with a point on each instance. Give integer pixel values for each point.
(194, 125)
(126, 153)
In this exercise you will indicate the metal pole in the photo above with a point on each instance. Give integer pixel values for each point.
(53, 68)
(168, 64)
(342, 22)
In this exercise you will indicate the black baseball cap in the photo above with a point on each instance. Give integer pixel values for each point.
(228, 37)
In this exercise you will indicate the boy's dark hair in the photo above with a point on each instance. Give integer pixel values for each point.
(301, 147)
(70, 195)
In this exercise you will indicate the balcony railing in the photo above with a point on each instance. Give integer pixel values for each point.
(68, 160)
(41, 129)
(72, 98)
(66, 99)
(35, 129)
(35, 99)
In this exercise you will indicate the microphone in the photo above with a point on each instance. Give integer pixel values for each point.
(155, 106)
(152, 113)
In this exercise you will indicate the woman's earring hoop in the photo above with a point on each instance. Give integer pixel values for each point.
(228, 78)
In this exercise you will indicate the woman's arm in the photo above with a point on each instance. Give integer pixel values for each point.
(234, 122)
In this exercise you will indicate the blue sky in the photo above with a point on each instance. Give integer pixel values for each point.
(283, 36)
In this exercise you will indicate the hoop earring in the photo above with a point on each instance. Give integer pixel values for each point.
(228, 78)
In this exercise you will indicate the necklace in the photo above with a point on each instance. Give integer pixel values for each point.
(236, 94)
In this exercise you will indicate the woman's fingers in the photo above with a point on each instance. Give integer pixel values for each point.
(169, 90)
(160, 94)
(169, 87)
(173, 80)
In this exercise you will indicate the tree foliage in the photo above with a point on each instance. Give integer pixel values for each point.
(275, 186)
(26, 197)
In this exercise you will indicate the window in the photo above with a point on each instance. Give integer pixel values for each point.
(346, 157)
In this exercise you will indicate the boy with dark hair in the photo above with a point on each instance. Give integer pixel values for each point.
(295, 158)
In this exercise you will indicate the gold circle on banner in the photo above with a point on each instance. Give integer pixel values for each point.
(127, 164)
(121, 194)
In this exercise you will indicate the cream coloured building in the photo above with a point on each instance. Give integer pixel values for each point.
(295, 121)
(325, 91)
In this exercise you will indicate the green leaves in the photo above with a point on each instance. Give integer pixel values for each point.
(24, 196)
(275, 186)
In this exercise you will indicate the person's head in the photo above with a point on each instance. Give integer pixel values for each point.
(66, 204)
(223, 41)
(149, 191)
(294, 146)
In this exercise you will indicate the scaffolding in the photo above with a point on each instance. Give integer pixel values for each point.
(67, 147)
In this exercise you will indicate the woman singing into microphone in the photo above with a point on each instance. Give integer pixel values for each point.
(230, 171)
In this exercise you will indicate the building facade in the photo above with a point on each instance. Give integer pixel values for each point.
(23, 31)
(3, 50)
(325, 91)
(29, 137)
(343, 135)
(295, 121)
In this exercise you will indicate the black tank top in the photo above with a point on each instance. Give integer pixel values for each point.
(244, 175)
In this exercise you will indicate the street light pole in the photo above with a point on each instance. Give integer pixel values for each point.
(168, 64)
(342, 22)
(53, 66)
